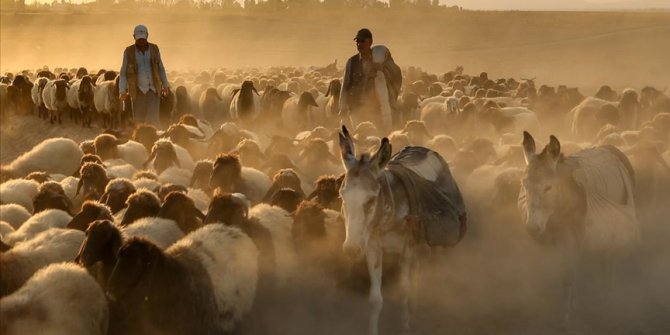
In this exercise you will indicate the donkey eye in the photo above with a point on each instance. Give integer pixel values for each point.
(368, 204)
(546, 189)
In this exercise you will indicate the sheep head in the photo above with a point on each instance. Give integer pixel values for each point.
(141, 204)
(51, 195)
(180, 208)
(91, 211)
(229, 209)
(226, 173)
(116, 193)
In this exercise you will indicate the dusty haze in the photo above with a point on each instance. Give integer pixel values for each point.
(624, 49)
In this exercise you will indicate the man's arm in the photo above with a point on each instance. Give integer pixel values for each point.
(344, 107)
(161, 70)
(123, 80)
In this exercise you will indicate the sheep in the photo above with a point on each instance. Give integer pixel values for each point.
(175, 175)
(20, 94)
(285, 178)
(80, 98)
(590, 115)
(165, 154)
(91, 211)
(297, 113)
(38, 176)
(316, 160)
(287, 199)
(201, 174)
(245, 105)
(93, 180)
(145, 134)
(200, 198)
(36, 94)
(140, 204)
(50, 218)
(165, 189)
(54, 96)
(229, 176)
(146, 183)
(20, 192)
(215, 268)
(196, 126)
(51, 195)
(327, 192)
(329, 104)
(55, 155)
(24, 259)
(104, 239)
(211, 106)
(250, 153)
(116, 193)
(278, 223)
(183, 103)
(318, 235)
(87, 147)
(108, 147)
(181, 209)
(511, 119)
(233, 210)
(192, 142)
(106, 100)
(88, 158)
(59, 299)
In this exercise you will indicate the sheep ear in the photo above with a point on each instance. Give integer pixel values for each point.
(104, 198)
(270, 192)
(200, 215)
(79, 185)
(234, 92)
(328, 91)
(254, 88)
(311, 195)
(196, 136)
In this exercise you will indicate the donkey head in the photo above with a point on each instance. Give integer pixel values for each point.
(360, 191)
(539, 184)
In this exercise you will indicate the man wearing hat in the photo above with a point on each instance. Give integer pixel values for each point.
(143, 78)
(357, 98)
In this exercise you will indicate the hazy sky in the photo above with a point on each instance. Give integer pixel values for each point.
(531, 4)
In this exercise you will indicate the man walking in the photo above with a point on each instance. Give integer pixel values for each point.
(358, 101)
(143, 78)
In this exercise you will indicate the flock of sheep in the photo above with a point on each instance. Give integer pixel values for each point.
(184, 228)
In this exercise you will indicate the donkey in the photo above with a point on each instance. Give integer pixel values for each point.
(584, 202)
(389, 206)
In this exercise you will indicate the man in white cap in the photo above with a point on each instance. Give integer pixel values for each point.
(143, 78)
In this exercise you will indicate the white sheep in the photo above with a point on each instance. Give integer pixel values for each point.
(20, 192)
(106, 101)
(278, 222)
(175, 175)
(226, 255)
(24, 259)
(54, 96)
(162, 232)
(200, 198)
(119, 168)
(14, 214)
(60, 299)
(50, 218)
(246, 102)
(146, 183)
(55, 155)
(133, 153)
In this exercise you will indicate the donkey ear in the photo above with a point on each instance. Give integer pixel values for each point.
(554, 147)
(383, 155)
(347, 148)
(528, 147)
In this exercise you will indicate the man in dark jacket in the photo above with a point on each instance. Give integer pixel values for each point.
(143, 78)
(358, 100)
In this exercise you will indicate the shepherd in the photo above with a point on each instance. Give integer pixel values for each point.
(143, 78)
(371, 84)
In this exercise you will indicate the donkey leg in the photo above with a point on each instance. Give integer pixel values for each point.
(407, 284)
(374, 261)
